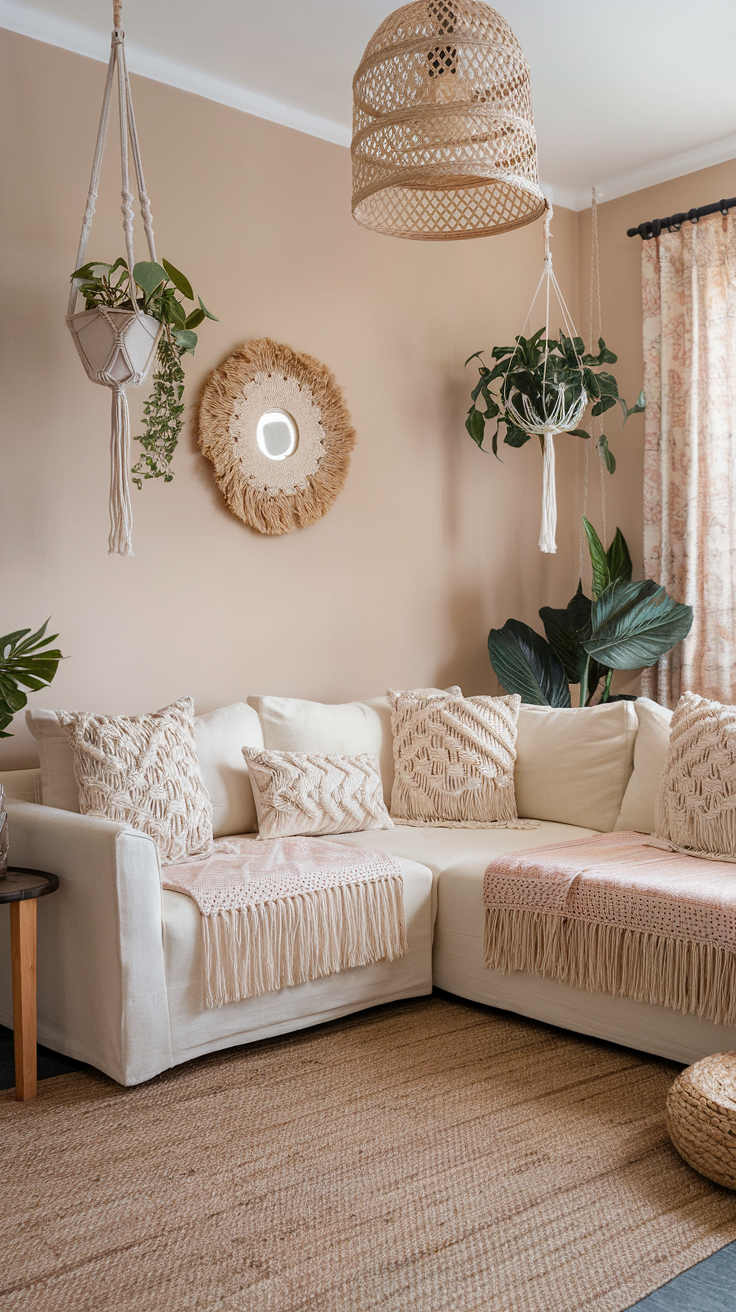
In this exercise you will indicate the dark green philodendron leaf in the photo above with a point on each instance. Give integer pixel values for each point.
(185, 339)
(637, 409)
(525, 664)
(195, 319)
(203, 307)
(618, 559)
(476, 426)
(179, 280)
(564, 630)
(149, 275)
(598, 559)
(609, 458)
(635, 623)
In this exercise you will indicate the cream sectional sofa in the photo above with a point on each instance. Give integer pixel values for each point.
(119, 967)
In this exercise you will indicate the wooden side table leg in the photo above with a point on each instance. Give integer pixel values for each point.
(23, 958)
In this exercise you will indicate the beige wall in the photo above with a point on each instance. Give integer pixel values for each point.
(430, 542)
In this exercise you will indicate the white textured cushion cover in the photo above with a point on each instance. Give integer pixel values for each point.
(573, 765)
(142, 770)
(220, 736)
(650, 754)
(348, 728)
(696, 803)
(453, 757)
(302, 793)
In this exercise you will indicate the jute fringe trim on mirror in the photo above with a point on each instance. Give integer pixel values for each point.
(276, 496)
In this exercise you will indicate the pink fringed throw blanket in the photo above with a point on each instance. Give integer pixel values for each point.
(289, 910)
(614, 914)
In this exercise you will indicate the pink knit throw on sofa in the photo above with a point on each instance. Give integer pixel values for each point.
(288, 910)
(614, 914)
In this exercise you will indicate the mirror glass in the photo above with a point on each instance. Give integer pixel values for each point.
(277, 434)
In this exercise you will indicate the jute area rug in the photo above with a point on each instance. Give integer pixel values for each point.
(423, 1156)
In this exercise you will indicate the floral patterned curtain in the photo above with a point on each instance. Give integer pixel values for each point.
(689, 297)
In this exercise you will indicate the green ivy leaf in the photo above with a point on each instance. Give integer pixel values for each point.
(181, 283)
(149, 276)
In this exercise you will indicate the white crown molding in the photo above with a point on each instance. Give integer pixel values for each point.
(677, 166)
(82, 40)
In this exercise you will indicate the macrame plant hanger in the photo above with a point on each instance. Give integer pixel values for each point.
(595, 324)
(117, 347)
(559, 417)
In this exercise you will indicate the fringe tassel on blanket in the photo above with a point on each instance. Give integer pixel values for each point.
(696, 978)
(274, 945)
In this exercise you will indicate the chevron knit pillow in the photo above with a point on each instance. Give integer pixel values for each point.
(303, 793)
(696, 803)
(143, 770)
(454, 758)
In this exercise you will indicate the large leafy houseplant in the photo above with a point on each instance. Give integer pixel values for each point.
(153, 288)
(538, 378)
(25, 662)
(624, 626)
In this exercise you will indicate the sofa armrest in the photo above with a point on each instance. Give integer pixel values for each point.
(101, 981)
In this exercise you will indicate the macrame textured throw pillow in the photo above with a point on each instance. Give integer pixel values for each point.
(454, 758)
(696, 803)
(142, 770)
(302, 793)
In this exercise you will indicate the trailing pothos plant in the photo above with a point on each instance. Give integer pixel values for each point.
(624, 626)
(153, 288)
(25, 662)
(543, 374)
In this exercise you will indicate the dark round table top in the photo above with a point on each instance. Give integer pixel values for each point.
(21, 882)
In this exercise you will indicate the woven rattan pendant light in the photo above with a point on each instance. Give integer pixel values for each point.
(444, 145)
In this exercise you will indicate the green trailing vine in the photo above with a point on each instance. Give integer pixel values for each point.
(153, 288)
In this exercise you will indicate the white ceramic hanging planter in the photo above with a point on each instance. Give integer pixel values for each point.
(117, 347)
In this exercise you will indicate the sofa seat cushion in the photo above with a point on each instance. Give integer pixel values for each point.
(446, 849)
(195, 1029)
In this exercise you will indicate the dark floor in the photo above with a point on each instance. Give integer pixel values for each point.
(708, 1287)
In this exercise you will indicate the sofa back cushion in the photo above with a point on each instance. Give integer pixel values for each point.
(347, 729)
(220, 737)
(650, 755)
(572, 766)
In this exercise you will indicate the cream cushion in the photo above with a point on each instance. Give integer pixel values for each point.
(696, 803)
(220, 737)
(453, 757)
(58, 781)
(572, 766)
(347, 728)
(308, 793)
(142, 770)
(650, 755)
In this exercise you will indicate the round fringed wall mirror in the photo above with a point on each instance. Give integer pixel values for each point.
(274, 423)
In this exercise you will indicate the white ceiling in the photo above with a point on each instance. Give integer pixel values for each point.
(626, 93)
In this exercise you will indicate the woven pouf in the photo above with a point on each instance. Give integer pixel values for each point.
(701, 1117)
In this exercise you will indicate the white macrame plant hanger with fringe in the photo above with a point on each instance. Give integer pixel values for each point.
(117, 347)
(560, 418)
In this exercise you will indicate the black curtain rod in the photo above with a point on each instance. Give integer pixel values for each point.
(675, 221)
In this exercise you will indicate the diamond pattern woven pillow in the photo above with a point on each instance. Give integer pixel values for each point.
(454, 758)
(696, 803)
(305, 793)
(143, 770)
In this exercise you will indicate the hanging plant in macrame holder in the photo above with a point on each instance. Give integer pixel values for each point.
(274, 423)
(541, 387)
(117, 347)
